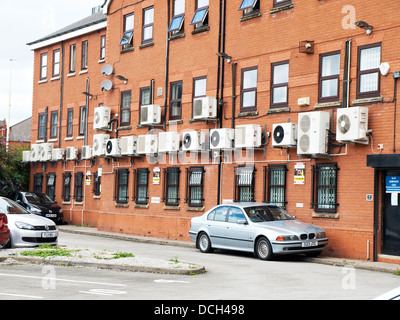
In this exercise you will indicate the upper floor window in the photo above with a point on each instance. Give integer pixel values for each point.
(176, 101)
(369, 60)
(85, 49)
(102, 47)
(126, 108)
(70, 118)
(200, 18)
(127, 37)
(51, 186)
(54, 124)
(43, 66)
(281, 3)
(148, 24)
(249, 6)
(42, 126)
(329, 77)
(280, 84)
(56, 63)
(249, 89)
(178, 17)
(82, 121)
(72, 58)
(145, 99)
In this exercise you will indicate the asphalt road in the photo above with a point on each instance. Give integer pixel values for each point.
(229, 276)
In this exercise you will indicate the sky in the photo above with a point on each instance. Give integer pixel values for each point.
(25, 21)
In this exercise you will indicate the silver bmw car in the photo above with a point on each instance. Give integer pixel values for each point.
(264, 229)
(27, 229)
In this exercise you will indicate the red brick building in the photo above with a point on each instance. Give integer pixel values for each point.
(294, 103)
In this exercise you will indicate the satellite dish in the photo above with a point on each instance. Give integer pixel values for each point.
(107, 70)
(106, 85)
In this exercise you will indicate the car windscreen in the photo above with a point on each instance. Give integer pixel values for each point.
(267, 213)
(37, 198)
(10, 207)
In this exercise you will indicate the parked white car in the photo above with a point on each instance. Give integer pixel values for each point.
(26, 229)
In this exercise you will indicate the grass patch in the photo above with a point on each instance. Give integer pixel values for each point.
(46, 250)
(120, 255)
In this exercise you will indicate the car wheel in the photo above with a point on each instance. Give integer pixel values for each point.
(7, 245)
(204, 243)
(263, 249)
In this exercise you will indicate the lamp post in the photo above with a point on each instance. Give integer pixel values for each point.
(9, 107)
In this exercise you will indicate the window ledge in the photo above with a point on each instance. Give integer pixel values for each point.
(129, 49)
(141, 206)
(247, 113)
(96, 197)
(147, 44)
(325, 215)
(80, 203)
(281, 8)
(250, 16)
(368, 100)
(69, 139)
(53, 140)
(80, 137)
(122, 205)
(124, 128)
(201, 29)
(177, 36)
(55, 78)
(198, 209)
(174, 122)
(42, 81)
(278, 110)
(66, 203)
(320, 105)
(171, 207)
(73, 74)
(84, 71)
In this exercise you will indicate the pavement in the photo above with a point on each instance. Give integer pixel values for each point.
(358, 264)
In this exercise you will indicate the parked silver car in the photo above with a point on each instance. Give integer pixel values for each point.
(27, 229)
(256, 227)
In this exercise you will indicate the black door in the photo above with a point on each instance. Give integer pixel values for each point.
(391, 220)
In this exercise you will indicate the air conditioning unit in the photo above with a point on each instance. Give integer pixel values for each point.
(35, 152)
(86, 153)
(284, 135)
(204, 108)
(128, 145)
(102, 116)
(222, 138)
(26, 156)
(150, 114)
(99, 144)
(193, 140)
(147, 144)
(248, 136)
(352, 125)
(46, 151)
(72, 153)
(113, 148)
(58, 155)
(313, 133)
(168, 142)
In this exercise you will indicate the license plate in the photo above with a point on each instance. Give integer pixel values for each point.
(51, 215)
(48, 235)
(309, 244)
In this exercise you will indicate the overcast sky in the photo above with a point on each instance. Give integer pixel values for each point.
(21, 22)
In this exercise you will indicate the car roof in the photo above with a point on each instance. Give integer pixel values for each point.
(247, 204)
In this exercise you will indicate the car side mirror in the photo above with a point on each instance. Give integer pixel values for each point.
(242, 221)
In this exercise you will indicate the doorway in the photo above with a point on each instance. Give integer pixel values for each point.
(391, 214)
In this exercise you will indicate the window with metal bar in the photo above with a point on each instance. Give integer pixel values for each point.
(38, 183)
(141, 186)
(51, 186)
(244, 185)
(66, 196)
(195, 186)
(78, 187)
(275, 179)
(96, 184)
(324, 197)
(121, 186)
(171, 186)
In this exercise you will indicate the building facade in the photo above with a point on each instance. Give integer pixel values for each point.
(288, 102)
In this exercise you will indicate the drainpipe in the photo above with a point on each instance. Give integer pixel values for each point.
(87, 111)
(220, 84)
(61, 94)
(346, 76)
(166, 67)
(234, 69)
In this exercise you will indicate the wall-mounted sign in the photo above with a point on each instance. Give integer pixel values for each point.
(299, 172)
(156, 175)
(392, 184)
